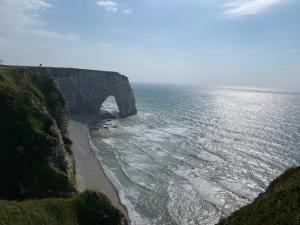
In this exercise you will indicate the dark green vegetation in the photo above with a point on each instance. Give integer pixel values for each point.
(37, 172)
(88, 208)
(279, 205)
(33, 161)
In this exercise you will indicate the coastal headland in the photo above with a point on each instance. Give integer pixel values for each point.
(49, 170)
(38, 157)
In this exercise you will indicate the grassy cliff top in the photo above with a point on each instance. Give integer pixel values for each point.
(279, 205)
(88, 208)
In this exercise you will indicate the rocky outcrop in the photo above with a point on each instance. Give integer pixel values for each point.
(86, 90)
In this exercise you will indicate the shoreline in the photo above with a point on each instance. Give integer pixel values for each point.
(90, 173)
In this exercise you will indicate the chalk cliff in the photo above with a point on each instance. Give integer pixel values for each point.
(86, 90)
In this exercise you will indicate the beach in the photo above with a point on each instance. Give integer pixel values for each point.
(89, 172)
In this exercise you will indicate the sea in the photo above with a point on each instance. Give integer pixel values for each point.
(193, 155)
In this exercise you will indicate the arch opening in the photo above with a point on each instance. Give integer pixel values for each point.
(109, 109)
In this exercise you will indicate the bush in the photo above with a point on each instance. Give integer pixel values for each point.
(88, 208)
(95, 209)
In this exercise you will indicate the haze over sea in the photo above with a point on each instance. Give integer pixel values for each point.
(192, 155)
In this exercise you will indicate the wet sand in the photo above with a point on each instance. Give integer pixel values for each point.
(89, 172)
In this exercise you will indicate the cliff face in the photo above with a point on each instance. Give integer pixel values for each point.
(86, 90)
(36, 158)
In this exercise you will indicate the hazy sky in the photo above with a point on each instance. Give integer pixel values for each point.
(206, 42)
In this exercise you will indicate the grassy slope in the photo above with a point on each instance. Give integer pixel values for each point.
(88, 208)
(279, 205)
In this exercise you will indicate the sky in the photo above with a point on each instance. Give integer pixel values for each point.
(245, 43)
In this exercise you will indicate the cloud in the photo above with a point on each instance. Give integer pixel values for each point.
(23, 16)
(31, 4)
(18, 14)
(238, 8)
(127, 11)
(53, 34)
(108, 5)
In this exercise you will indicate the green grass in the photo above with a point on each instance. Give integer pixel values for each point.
(88, 208)
(279, 205)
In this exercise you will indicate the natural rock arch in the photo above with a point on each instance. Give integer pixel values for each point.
(110, 104)
(86, 90)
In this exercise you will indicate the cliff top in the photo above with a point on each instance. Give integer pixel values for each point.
(65, 71)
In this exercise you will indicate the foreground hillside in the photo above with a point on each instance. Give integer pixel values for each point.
(279, 205)
(37, 169)
(88, 208)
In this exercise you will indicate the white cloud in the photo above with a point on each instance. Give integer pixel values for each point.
(53, 34)
(31, 4)
(18, 14)
(127, 11)
(23, 16)
(236, 8)
(108, 5)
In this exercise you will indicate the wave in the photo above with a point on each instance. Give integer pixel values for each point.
(121, 193)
